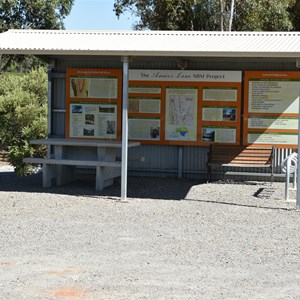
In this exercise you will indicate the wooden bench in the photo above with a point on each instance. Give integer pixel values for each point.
(253, 156)
(52, 169)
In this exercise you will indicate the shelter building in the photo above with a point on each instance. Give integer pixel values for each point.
(185, 91)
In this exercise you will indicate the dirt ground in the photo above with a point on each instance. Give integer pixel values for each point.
(171, 239)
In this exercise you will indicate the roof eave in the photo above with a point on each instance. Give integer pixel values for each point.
(148, 53)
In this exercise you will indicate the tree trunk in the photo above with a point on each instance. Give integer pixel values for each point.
(221, 15)
(231, 15)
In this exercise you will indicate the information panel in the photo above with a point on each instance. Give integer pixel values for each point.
(217, 93)
(271, 108)
(90, 120)
(93, 106)
(221, 110)
(93, 87)
(273, 96)
(181, 114)
(144, 129)
(219, 134)
(181, 107)
(144, 105)
(284, 123)
(217, 114)
(277, 138)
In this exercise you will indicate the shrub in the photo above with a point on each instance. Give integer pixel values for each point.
(23, 116)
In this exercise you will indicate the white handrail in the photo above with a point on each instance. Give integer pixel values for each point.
(289, 167)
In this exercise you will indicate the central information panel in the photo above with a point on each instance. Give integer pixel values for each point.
(184, 107)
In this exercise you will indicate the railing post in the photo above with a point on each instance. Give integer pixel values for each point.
(287, 179)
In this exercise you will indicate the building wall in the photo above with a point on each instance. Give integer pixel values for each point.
(160, 160)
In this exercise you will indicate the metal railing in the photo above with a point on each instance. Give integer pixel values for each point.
(289, 167)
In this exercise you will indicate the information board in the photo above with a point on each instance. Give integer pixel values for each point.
(93, 104)
(184, 107)
(271, 108)
(181, 114)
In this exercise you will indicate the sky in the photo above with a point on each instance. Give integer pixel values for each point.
(97, 15)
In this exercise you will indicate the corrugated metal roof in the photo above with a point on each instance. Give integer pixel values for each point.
(151, 43)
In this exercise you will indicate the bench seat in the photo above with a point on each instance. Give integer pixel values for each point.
(70, 162)
(53, 168)
(231, 156)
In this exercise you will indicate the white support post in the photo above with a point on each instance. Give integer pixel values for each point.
(298, 167)
(287, 179)
(125, 61)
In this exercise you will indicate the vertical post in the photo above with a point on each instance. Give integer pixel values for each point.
(295, 179)
(49, 113)
(287, 179)
(298, 162)
(125, 61)
(180, 161)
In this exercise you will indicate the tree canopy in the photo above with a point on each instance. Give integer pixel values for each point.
(23, 115)
(211, 15)
(31, 14)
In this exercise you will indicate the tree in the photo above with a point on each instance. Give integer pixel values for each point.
(266, 15)
(210, 15)
(231, 15)
(23, 115)
(31, 14)
(159, 14)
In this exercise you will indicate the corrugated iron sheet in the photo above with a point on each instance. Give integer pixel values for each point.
(157, 160)
(151, 43)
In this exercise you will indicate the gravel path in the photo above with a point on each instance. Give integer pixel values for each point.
(172, 239)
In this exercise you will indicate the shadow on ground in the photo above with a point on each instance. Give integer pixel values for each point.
(259, 196)
(138, 187)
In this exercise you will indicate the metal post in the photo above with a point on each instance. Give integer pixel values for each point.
(287, 179)
(180, 161)
(49, 113)
(125, 61)
(298, 167)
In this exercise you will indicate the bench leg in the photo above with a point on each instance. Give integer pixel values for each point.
(48, 174)
(99, 179)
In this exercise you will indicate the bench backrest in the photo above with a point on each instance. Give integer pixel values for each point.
(243, 155)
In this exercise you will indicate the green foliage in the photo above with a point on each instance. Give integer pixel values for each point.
(249, 15)
(23, 63)
(23, 116)
(294, 11)
(30, 14)
(33, 14)
(270, 15)
(159, 14)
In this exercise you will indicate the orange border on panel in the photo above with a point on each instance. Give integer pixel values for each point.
(143, 94)
(84, 72)
(268, 75)
(222, 104)
(172, 84)
(163, 84)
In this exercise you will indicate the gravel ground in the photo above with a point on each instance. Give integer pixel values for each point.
(172, 239)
